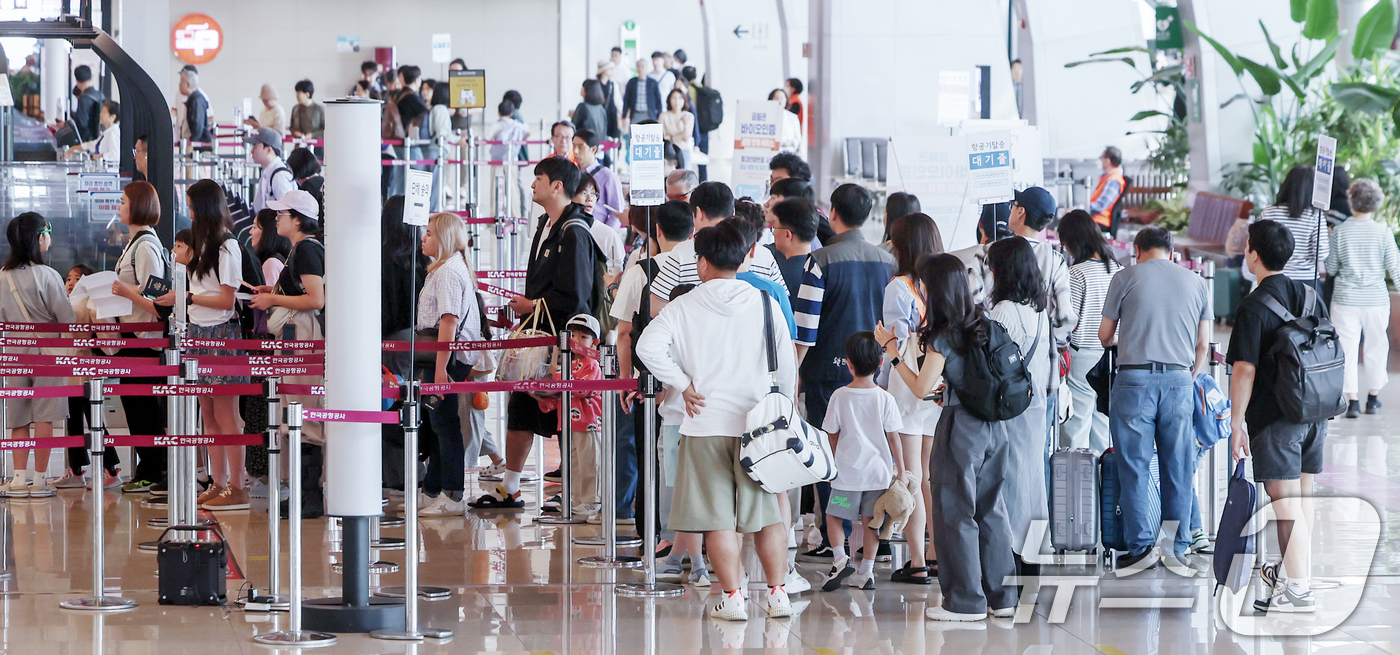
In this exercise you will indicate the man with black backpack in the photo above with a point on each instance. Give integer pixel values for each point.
(1160, 316)
(1286, 382)
(276, 179)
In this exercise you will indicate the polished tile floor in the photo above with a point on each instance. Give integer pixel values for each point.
(516, 589)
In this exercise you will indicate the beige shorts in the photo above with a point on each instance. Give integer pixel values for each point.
(20, 412)
(714, 493)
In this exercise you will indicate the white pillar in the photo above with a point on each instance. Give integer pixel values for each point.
(352, 313)
(53, 82)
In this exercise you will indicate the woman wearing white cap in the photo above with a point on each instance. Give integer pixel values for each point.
(294, 306)
(448, 310)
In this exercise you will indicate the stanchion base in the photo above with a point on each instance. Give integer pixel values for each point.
(162, 522)
(332, 615)
(274, 603)
(391, 521)
(559, 520)
(148, 546)
(103, 604)
(387, 543)
(298, 638)
(653, 590)
(616, 562)
(429, 592)
(375, 568)
(622, 541)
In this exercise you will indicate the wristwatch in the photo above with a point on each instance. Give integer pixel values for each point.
(894, 361)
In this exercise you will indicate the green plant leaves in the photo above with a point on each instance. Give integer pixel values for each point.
(1119, 51)
(1148, 114)
(1298, 10)
(1127, 60)
(1321, 20)
(1273, 47)
(1375, 31)
(1314, 66)
(1361, 96)
(1225, 54)
(1267, 78)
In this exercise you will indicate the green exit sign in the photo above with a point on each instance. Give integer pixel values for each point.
(1168, 29)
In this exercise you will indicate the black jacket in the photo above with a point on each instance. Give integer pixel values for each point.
(85, 117)
(197, 117)
(561, 269)
(629, 99)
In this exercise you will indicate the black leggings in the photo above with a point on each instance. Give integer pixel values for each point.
(145, 415)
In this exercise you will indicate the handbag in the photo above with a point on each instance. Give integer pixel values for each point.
(305, 321)
(530, 363)
(19, 300)
(781, 450)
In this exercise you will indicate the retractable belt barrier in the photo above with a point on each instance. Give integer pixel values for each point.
(150, 371)
(82, 327)
(64, 342)
(349, 415)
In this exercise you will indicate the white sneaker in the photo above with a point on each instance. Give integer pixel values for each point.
(70, 481)
(778, 604)
(258, 489)
(1004, 613)
(860, 580)
(42, 489)
(444, 506)
(731, 607)
(700, 579)
(588, 510)
(17, 488)
(794, 583)
(426, 504)
(940, 614)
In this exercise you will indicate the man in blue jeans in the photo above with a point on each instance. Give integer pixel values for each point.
(1159, 315)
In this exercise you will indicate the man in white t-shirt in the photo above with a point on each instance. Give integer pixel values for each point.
(712, 202)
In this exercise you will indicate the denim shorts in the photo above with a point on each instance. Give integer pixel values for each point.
(1284, 451)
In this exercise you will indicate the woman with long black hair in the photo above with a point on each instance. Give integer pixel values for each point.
(32, 292)
(1094, 267)
(215, 275)
(968, 466)
(1018, 303)
(1293, 208)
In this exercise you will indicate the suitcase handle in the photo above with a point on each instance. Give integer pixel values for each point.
(192, 528)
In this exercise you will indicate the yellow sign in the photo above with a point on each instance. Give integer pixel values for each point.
(467, 88)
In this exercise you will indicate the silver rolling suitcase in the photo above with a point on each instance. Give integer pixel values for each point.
(1074, 489)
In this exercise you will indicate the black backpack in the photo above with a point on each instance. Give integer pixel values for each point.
(601, 302)
(1309, 363)
(642, 317)
(709, 108)
(996, 383)
(251, 275)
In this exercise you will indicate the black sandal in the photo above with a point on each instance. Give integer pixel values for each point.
(490, 501)
(906, 575)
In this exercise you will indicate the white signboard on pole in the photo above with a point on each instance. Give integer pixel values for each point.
(989, 161)
(442, 48)
(755, 143)
(954, 96)
(1322, 172)
(419, 186)
(648, 186)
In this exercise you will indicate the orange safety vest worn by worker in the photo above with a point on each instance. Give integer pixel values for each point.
(1103, 207)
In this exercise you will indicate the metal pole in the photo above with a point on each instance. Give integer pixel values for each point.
(294, 634)
(274, 497)
(410, 418)
(607, 471)
(99, 601)
(650, 588)
(189, 506)
(566, 500)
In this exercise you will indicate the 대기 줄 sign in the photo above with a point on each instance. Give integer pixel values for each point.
(1322, 172)
(648, 186)
(989, 167)
(755, 143)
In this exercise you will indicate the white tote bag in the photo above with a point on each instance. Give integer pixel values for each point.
(779, 449)
(532, 362)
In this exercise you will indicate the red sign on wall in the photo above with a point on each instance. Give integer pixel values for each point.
(196, 39)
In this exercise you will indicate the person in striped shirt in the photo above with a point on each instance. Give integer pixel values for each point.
(1293, 209)
(1363, 251)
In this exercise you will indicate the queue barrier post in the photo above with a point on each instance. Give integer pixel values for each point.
(649, 588)
(188, 505)
(274, 599)
(99, 601)
(566, 504)
(410, 418)
(294, 635)
(607, 472)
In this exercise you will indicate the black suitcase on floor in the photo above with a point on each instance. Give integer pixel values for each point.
(193, 572)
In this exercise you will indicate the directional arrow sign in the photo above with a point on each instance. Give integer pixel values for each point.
(739, 31)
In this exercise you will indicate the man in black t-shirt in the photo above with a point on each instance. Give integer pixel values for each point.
(1286, 455)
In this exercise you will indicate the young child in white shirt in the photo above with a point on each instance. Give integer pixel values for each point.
(863, 423)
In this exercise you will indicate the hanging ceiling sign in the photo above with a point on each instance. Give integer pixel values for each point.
(196, 39)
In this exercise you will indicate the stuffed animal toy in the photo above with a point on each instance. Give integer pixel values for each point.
(893, 508)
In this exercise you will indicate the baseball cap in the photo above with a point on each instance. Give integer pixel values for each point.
(605, 64)
(995, 219)
(584, 321)
(299, 201)
(266, 136)
(1037, 202)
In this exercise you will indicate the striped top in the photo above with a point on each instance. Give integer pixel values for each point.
(1088, 286)
(1362, 253)
(680, 269)
(1302, 265)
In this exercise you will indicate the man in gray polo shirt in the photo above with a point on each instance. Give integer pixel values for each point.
(1161, 314)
